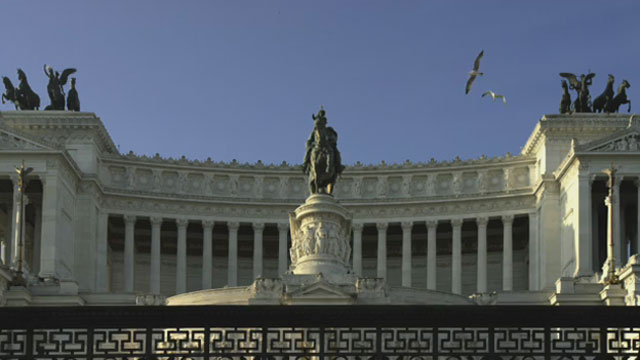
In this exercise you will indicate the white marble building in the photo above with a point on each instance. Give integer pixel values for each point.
(104, 228)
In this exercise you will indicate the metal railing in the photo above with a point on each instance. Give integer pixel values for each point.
(321, 332)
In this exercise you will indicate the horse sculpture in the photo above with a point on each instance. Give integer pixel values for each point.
(22, 96)
(600, 102)
(322, 160)
(565, 103)
(10, 92)
(620, 98)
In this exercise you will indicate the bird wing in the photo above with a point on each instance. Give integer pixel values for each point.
(573, 80)
(476, 64)
(504, 99)
(469, 83)
(487, 93)
(65, 75)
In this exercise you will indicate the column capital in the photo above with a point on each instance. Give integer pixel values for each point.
(357, 227)
(406, 225)
(431, 223)
(233, 225)
(283, 226)
(456, 222)
(129, 219)
(507, 219)
(156, 220)
(257, 226)
(208, 223)
(482, 220)
(182, 222)
(382, 226)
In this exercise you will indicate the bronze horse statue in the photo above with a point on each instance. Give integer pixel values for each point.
(600, 102)
(27, 98)
(22, 96)
(565, 103)
(620, 98)
(322, 160)
(10, 92)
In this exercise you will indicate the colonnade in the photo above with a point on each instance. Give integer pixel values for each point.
(456, 255)
(207, 255)
(283, 230)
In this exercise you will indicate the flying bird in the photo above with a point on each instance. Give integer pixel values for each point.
(473, 73)
(495, 96)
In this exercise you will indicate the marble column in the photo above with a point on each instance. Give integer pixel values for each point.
(12, 246)
(432, 226)
(50, 227)
(181, 256)
(534, 252)
(583, 237)
(507, 252)
(618, 248)
(456, 257)
(207, 253)
(154, 276)
(129, 249)
(406, 253)
(357, 248)
(232, 272)
(258, 229)
(283, 230)
(102, 251)
(382, 249)
(481, 279)
(37, 234)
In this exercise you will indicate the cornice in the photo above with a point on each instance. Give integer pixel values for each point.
(30, 121)
(357, 169)
(563, 124)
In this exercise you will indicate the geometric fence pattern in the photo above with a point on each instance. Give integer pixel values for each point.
(321, 332)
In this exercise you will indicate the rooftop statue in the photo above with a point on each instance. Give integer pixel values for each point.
(73, 102)
(620, 98)
(322, 161)
(22, 97)
(565, 103)
(603, 101)
(55, 86)
(583, 100)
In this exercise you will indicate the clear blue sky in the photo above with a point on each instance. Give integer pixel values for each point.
(240, 79)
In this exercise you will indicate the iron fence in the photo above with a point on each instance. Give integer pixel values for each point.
(321, 332)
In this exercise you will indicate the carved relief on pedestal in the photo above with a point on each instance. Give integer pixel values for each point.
(320, 233)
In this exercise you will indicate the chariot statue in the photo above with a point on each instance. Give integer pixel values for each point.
(55, 86)
(322, 160)
(21, 96)
(583, 99)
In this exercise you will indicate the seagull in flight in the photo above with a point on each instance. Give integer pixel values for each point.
(473, 73)
(495, 96)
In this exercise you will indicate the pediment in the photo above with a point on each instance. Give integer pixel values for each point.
(320, 290)
(12, 141)
(624, 141)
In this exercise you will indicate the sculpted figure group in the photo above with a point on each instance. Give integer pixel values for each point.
(607, 101)
(23, 98)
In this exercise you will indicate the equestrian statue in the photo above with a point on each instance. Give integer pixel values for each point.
(322, 161)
